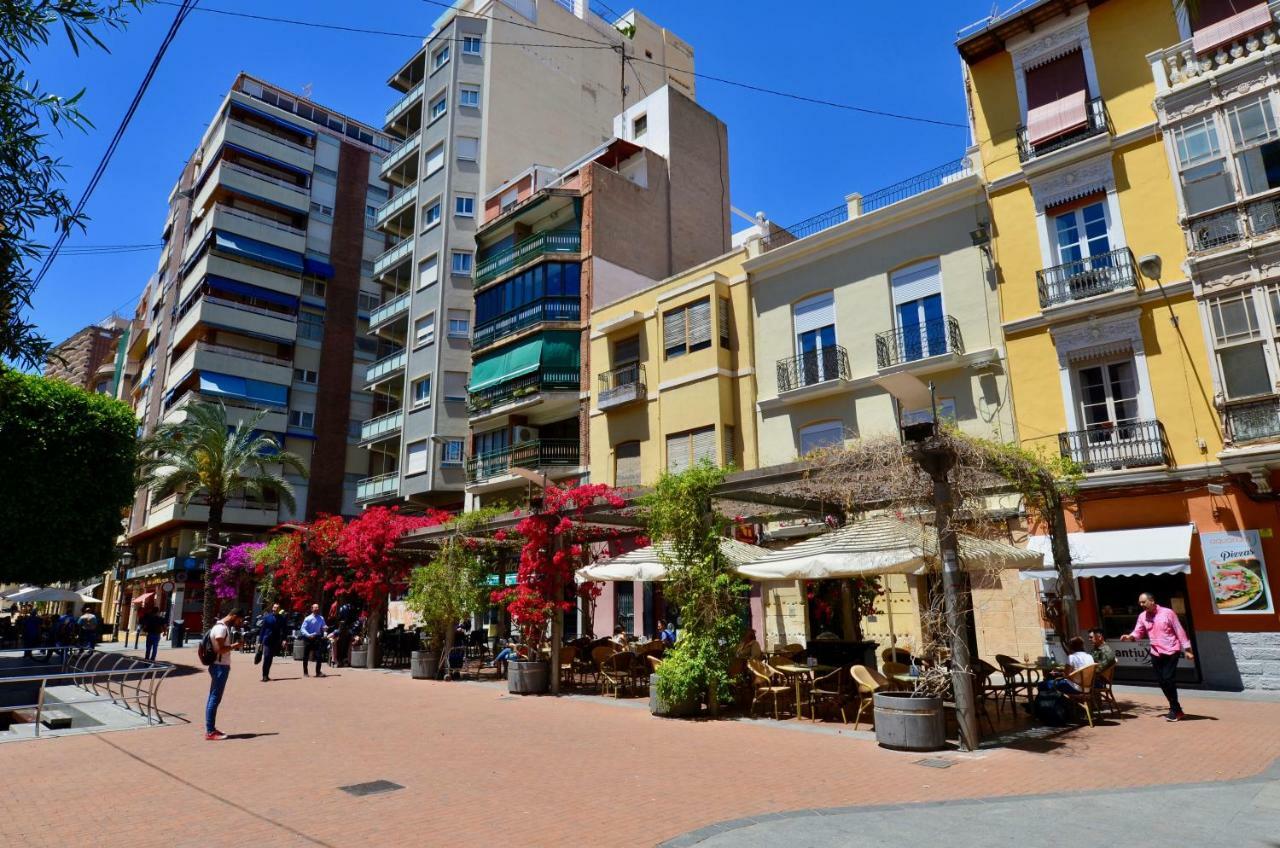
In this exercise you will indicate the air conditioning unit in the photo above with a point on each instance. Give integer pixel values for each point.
(521, 434)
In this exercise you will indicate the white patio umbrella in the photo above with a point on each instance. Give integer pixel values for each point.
(646, 563)
(36, 594)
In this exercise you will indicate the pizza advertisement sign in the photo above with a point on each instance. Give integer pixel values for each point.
(1237, 572)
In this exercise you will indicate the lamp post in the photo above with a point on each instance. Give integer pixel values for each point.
(122, 569)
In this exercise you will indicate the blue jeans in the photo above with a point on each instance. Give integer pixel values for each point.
(153, 645)
(217, 685)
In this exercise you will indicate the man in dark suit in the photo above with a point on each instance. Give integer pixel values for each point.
(270, 635)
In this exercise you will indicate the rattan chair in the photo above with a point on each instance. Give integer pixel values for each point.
(1016, 679)
(868, 682)
(615, 672)
(766, 685)
(1104, 695)
(568, 663)
(1083, 677)
(829, 688)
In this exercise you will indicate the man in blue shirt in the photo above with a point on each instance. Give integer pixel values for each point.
(313, 639)
(270, 635)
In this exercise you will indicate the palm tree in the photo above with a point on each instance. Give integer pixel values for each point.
(202, 455)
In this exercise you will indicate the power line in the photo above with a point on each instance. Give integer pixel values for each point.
(178, 18)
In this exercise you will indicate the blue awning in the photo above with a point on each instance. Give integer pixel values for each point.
(247, 290)
(256, 250)
(230, 385)
(280, 122)
(293, 434)
(316, 268)
(270, 160)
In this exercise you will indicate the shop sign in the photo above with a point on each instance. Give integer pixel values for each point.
(492, 580)
(1134, 654)
(1237, 572)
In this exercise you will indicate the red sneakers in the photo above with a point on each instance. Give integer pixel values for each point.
(215, 736)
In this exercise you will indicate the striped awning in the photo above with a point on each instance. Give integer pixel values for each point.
(646, 563)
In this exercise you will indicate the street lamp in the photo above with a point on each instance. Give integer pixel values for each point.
(122, 570)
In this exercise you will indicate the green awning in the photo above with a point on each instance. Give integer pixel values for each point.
(503, 365)
(562, 350)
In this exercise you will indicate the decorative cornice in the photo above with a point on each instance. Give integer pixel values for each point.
(1101, 304)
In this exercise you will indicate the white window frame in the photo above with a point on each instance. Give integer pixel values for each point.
(433, 262)
(414, 401)
(431, 154)
(432, 205)
(439, 58)
(460, 201)
(1237, 148)
(300, 375)
(442, 101)
(454, 256)
(1050, 41)
(427, 334)
(302, 419)
(1090, 176)
(1051, 220)
(470, 41)
(1102, 339)
(452, 453)
(422, 448)
(1265, 333)
(467, 92)
(459, 323)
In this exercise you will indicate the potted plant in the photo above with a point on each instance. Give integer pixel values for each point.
(359, 652)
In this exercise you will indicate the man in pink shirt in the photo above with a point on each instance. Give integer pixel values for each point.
(1168, 640)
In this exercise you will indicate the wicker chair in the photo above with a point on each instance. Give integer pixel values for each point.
(766, 685)
(829, 688)
(615, 672)
(1105, 696)
(897, 655)
(1015, 679)
(568, 663)
(1083, 678)
(868, 682)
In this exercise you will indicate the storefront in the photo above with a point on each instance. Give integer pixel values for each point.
(169, 584)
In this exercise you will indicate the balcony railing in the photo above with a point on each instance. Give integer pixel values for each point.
(270, 136)
(621, 386)
(540, 453)
(542, 380)
(399, 153)
(1082, 278)
(1111, 447)
(404, 102)
(382, 427)
(240, 353)
(385, 367)
(1182, 64)
(392, 255)
(549, 309)
(383, 313)
(373, 487)
(551, 241)
(938, 337)
(260, 220)
(1249, 421)
(809, 369)
(243, 307)
(1097, 122)
(402, 198)
(1230, 227)
(259, 175)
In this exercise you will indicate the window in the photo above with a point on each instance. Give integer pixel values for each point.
(416, 456)
(430, 214)
(321, 210)
(1254, 136)
(917, 307)
(686, 328)
(469, 96)
(375, 194)
(455, 385)
(1202, 169)
(440, 58)
(468, 149)
(626, 464)
(313, 288)
(428, 271)
(420, 392)
(814, 325)
(424, 330)
(685, 450)
(305, 375)
(639, 126)
(1057, 98)
(371, 217)
(462, 262)
(724, 323)
(471, 45)
(310, 325)
(302, 420)
(822, 435)
(438, 107)
(946, 412)
(1108, 396)
(325, 174)
(1080, 230)
(729, 438)
(435, 160)
(559, 280)
(464, 205)
(451, 456)
(1239, 344)
(459, 324)
(367, 301)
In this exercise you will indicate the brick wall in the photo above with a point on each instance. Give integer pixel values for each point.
(1257, 659)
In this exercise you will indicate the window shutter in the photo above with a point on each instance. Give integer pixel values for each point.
(673, 329)
(818, 311)
(627, 464)
(729, 434)
(416, 458)
(677, 452)
(724, 322)
(704, 445)
(916, 281)
(626, 351)
(435, 159)
(700, 323)
(1057, 95)
(428, 271)
(455, 385)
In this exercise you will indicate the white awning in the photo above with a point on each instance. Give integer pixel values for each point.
(1119, 553)
(646, 563)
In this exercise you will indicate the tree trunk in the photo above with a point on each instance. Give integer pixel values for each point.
(213, 537)
(449, 633)
(371, 640)
(1057, 519)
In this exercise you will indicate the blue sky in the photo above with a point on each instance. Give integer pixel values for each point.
(787, 158)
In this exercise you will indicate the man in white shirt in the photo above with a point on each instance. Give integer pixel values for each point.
(313, 637)
(219, 670)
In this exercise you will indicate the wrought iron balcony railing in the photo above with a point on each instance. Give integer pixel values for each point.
(1097, 122)
(548, 309)
(542, 380)
(621, 386)
(540, 453)
(1082, 278)
(816, 366)
(920, 341)
(1114, 446)
(1248, 421)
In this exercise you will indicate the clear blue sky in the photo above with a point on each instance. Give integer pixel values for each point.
(787, 158)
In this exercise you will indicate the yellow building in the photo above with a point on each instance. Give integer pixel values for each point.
(675, 383)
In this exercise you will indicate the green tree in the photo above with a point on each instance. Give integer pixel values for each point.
(202, 455)
(68, 477)
(31, 179)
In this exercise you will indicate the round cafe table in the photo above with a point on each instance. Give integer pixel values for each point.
(798, 673)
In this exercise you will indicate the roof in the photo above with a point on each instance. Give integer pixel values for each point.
(988, 36)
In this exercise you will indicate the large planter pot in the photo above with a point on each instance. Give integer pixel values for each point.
(660, 707)
(359, 657)
(424, 665)
(527, 677)
(907, 723)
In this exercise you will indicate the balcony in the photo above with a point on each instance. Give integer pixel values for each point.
(400, 154)
(378, 487)
(402, 105)
(621, 386)
(1249, 421)
(1085, 278)
(1096, 122)
(1113, 447)
(261, 141)
(538, 454)
(542, 244)
(549, 309)
(386, 312)
(256, 184)
(391, 257)
(385, 368)
(1201, 57)
(380, 428)
(397, 202)
(939, 337)
(203, 356)
(825, 365)
(275, 420)
(523, 388)
(242, 222)
(241, 317)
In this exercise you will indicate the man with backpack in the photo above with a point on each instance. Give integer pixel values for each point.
(215, 652)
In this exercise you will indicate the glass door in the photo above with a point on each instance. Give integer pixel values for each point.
(922, 327)
(1109, 411)
(817, 355)
(1084, 247)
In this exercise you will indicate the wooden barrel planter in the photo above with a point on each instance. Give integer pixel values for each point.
(527, 677)
(908, 723)
(424, 665)
(660, 707)
(359, 657)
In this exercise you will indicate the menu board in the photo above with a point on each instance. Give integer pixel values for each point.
(1237, 572)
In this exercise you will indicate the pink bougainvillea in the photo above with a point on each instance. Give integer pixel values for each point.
(235, 569)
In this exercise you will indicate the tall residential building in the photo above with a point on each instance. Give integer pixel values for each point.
(1107, 355)
(552, 243)
(498, 84)
(88, 358)
(261, 300)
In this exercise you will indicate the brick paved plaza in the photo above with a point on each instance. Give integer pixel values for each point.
(480, 767)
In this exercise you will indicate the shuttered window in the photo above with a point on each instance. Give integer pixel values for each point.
(729, 437)
(455, 385)
(916, 281)
(814, 313)
(724, 323)
(677, 452)
(435, 159)
(1057, 96)
(626, 464)
(626, 351)
(704, 445)
(687, 328)
(1217, 22)
(416, 457)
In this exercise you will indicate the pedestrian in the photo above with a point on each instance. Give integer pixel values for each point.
(313, 639)
(30, 633)
(1168, 641)
(342, 646)
(270, 635)
(220, 670)
(137, 631)
(152, 624)
(88, 629)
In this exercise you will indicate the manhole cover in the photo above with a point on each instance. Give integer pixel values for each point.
(373, 787)
(935, 762)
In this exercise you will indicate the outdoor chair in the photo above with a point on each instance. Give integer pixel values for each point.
(568, 658)
(1083, 678)
(868, 682)
(599, 654)
(987, 690)
(829, 689)
(654, 662)
(615, 672)
(766, 685)
(897, 655)
(892, 668)
(1016, 679)
(1105, 695)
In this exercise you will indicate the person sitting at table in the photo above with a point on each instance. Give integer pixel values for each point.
(1103, 654)
(667, 633)
(1059, 679)
(511, 651)
(748, 648)
(619, 636)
